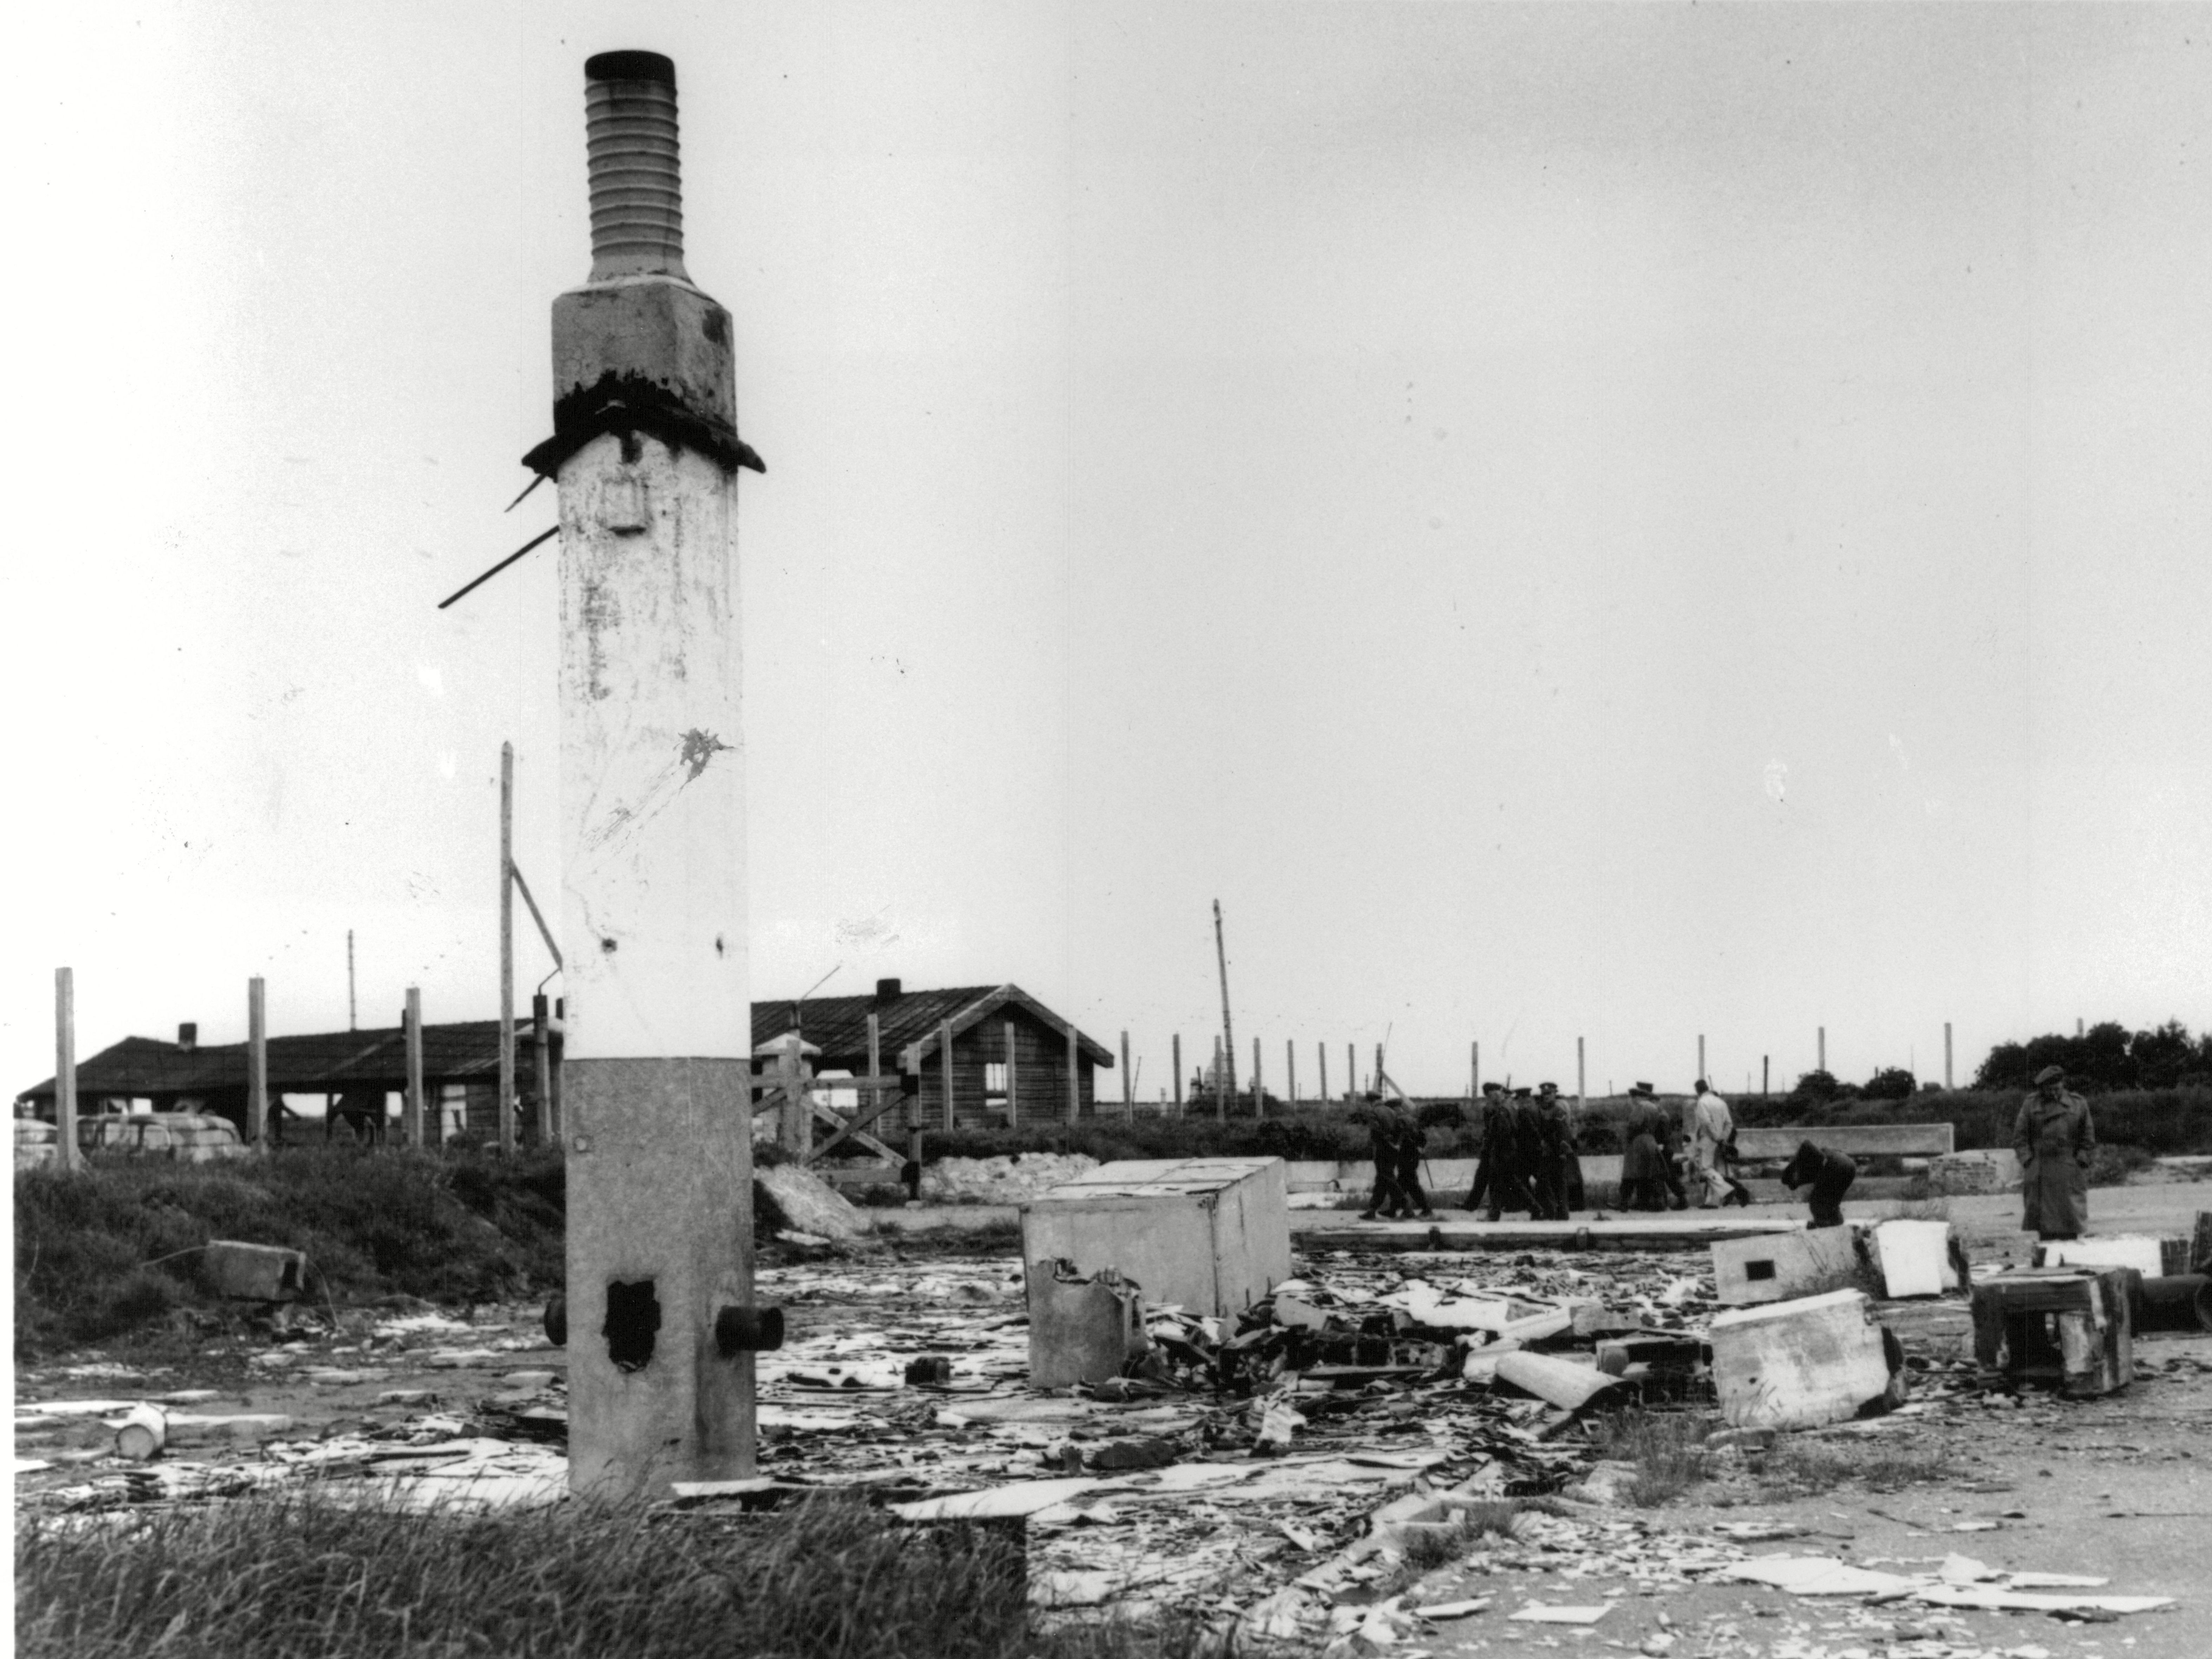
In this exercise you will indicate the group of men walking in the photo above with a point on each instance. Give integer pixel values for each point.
(1528, 1158)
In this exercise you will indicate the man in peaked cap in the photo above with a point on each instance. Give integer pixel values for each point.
(1492, 1121)
(2055, 1142)
(1642, 1180)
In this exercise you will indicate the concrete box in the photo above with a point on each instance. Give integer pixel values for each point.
(1799, 1364)
(1211, 1235)
(2070, 1327)
(1782, 1266)
(253, 1272)
(1081, 1329)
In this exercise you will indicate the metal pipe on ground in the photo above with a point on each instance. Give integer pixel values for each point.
(2182, 1302)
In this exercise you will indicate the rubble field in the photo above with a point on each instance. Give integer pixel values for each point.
(1341, 1472)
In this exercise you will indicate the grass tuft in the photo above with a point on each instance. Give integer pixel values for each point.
(1667, 1448)
(264, 1579)
(1801, 1468)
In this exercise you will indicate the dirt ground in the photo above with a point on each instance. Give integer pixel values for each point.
(2117, 1487)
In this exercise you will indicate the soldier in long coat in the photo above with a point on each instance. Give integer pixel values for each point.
(2054, 1141)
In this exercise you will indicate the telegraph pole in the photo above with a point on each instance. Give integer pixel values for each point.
(1228, 1030)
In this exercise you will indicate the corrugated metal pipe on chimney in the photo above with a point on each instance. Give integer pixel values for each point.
(637, 188)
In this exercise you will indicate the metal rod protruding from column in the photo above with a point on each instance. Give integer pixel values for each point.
(637, 187)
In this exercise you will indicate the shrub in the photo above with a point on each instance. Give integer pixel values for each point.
(1891, 1083)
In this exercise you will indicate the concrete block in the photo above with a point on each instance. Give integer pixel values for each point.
(1798, 1364)
(1963, 1174)
(1916, 1258)
(655, 329)
(1083, 1327)
(254, 1272)
(2142, 1253)
(1781, 1267)
(1211, 1235)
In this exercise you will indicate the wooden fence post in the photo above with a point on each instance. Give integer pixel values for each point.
(945, 1054)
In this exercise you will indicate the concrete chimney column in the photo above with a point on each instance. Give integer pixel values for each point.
(656, 1115)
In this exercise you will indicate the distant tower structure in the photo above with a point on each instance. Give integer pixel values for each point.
(657, 1124)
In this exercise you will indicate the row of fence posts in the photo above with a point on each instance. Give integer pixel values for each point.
(414, 1130)
(1257, 1089)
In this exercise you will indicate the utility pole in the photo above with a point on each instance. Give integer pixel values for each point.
(256, 1063)
(1320, 1050)
(1290, 1072)
(1946, 1056)
(657, 1086)
(1220, 1092)
(1766, 1080)
(353, 1018)
(411, 1123)
(1474, 1071)
(1701, 1056)
(65, 1147)
(1174, 1062)
(1129, 1084)
(1228, 1030)
(1581, 1097)
(507, 948)
(1822, 1062)
(1259, 1095)
(1351, 1072)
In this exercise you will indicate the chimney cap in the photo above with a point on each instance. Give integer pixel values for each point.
(188, 1034)
(630, 66)
(887, 990)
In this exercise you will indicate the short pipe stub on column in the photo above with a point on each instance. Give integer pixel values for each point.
(747, 1330)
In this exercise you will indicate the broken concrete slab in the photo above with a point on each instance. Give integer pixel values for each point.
(1802, 1364)
(1559, 1382)
(1781, 1267)
(1917, 1258)
(804, 1202)
(2143, 1254)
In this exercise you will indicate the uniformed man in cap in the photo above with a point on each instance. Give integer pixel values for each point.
(1555, 1153)
(2055, 1142)
(1386, 1130)
(1643, 1164)
(1491, 1124)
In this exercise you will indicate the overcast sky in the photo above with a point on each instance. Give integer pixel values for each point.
(1617, 522)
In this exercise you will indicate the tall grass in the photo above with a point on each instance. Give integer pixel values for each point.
(102, 1251)
(302, 1576)
(1667, 1448)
